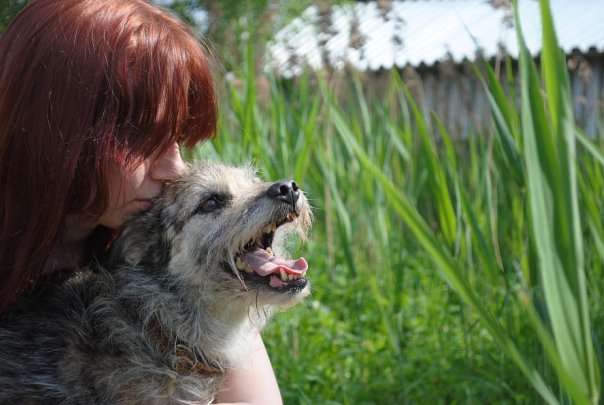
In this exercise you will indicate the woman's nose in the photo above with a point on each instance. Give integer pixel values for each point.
(168, 165)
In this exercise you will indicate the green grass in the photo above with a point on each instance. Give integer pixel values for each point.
(444, 270)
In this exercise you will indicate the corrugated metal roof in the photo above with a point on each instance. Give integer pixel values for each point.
(425, 32)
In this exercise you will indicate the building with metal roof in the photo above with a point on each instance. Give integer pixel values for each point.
(382, 34)
(433, 42)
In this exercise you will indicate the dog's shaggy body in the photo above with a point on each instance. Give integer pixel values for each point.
(169, 311)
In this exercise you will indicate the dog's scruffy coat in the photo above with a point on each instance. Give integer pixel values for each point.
(184, 289)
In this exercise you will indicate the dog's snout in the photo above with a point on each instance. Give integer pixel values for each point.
(286, 191)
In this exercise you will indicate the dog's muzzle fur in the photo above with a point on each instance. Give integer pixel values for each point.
(184, 291)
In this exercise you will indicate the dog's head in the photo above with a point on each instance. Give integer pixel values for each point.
(220, 230)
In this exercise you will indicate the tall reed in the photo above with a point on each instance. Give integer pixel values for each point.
(510, 220)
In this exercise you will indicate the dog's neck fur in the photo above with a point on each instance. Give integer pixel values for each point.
(184, 314)
(181, 307)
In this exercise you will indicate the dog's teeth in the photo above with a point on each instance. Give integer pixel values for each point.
(283, 275)
(243, 266)
(269, 250)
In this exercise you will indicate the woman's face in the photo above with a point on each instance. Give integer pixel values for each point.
(131, 190)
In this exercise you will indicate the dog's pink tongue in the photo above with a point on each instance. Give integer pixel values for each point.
(264, 264)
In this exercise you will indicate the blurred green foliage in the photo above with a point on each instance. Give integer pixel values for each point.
(8, 9)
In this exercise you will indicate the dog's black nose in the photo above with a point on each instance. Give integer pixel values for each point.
(286, 191)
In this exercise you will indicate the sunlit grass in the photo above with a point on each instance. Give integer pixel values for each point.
(444, 269)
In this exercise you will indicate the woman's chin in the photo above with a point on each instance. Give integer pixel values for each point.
(140, 205)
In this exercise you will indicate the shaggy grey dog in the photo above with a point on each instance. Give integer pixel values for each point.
(185, 288)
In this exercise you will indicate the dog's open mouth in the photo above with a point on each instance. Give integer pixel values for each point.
(258, 263)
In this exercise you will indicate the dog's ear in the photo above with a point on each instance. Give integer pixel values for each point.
(141, 242)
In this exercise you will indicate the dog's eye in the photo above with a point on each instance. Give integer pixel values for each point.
(210, 204)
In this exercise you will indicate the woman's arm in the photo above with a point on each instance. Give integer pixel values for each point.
(255, 384)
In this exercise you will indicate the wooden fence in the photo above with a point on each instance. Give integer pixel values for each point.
(458, 97)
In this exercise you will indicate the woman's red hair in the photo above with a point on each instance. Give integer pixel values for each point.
(85, 84)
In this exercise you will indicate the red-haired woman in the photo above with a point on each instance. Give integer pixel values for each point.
(95, 97)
